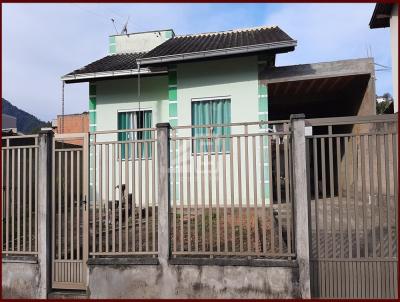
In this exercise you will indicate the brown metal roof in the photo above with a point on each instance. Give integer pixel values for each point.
(381, 15)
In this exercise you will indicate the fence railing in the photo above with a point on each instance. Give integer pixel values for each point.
(231, 190)
(19, 195)
(123, 206)
(354, 206)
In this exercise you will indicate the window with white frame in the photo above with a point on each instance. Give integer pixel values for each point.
(135, 119)
(211, 111)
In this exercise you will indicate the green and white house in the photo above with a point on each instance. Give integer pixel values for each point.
(211, 78)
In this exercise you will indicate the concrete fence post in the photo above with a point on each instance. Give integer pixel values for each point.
(163, 159)
(301, 203)
(44, 210)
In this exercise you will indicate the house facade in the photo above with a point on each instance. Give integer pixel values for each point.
(216, 78)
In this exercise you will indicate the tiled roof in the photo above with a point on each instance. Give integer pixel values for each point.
(219, 41)
(111, 63)
(207, 44)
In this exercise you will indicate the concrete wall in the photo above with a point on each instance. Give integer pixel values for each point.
(20, 279)
(138, 42)
(192, 281)
(394, 41)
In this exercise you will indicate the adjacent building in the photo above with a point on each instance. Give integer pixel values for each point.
(387, 15)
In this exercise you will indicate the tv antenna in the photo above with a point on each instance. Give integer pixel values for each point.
(113, 22)
(125, 28)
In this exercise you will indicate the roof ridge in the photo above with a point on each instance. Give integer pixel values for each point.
(229, 31)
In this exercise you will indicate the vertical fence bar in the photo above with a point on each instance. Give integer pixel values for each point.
(188, 195)
(126, 196)
(120, 203)
(146, 188)
(232, 190)
(174, 165)
(216, 168)
(101, 201)
(24, 200)
(196, 196)
(9, 188)
(278, 192)
(72, 206)
(134, 146)
(78, 204)
(262, 179)
(239, 173)
(387, 181)
(271, 195)
(153, 157)
(210, 149)
(107, 201)
(225, 195)
(113, 198)
(30, 187)
(246, 161)
(18, 199)
(255, 182)
(181, 196)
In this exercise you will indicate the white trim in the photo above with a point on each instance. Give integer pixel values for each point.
(263, 95)
(215, 98)
(135, 110)
(173, 118)
(173, 102)
(92, 110)
(173, 86)
(92, 125)
(262, 112)
(105, 74)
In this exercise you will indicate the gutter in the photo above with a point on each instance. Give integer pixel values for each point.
(218, 52)
(107, 74)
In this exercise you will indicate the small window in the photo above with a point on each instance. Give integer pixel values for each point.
(207, 112)
(135, 120)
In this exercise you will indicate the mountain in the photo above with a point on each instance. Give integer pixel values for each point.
(26, 123)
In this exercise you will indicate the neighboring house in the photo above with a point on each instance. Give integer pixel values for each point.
(386, 15)
(8, 122)
(216, 78)
(71, 123)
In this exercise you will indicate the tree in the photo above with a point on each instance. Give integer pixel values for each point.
(382, 107)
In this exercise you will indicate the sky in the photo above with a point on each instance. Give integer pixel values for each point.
(42, 42)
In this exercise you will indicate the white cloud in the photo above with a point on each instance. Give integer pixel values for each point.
(328, 32)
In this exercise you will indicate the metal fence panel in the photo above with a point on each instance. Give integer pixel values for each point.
(231, 193)
(19, 195)
(352, 171)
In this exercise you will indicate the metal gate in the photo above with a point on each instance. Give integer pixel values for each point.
(69, 211)
(353, 199)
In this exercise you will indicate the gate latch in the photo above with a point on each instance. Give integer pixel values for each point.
(84, 202)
